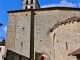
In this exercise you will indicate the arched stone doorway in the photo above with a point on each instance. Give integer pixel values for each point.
(43, 58)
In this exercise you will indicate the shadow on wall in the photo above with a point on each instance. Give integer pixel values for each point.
(37, 56)
(10, 55)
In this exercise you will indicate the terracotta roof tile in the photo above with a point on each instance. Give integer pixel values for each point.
(77, 52)
(72, 19)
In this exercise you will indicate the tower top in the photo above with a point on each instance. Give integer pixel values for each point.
(30, 4)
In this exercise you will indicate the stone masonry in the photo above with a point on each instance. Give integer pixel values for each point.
(55, 45)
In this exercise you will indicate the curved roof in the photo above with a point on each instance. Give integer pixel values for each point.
(72, 19)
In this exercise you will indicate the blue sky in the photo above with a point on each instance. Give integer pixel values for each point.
(6, 5)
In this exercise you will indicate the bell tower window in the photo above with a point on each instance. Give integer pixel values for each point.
(27, 2)
(31, 1)
(43, 58)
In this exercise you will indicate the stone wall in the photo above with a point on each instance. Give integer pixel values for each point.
(18, 34)
(43, 39)
(66, 40)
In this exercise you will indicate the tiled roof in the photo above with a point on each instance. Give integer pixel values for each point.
(48, 8)
(77, 52)
(72, 19)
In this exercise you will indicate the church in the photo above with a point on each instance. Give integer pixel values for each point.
(36, 33)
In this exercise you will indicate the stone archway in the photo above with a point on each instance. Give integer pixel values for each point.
(43, 58)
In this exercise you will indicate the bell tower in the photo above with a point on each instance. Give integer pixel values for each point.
(30, 4)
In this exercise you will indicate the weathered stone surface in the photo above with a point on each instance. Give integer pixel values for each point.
(18, 35)
(55, 45)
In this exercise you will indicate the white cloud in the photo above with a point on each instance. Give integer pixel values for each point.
(5, 28)
(63, 3)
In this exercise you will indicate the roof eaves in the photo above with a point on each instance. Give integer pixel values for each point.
(44, 9)
(72, 19)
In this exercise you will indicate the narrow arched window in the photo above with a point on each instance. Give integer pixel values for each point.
(66, 46)
(54, 38)
(26, 7)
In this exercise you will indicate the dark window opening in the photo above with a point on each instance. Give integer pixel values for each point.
(50, 52)
(66, 46)
(31, 7)
(26, 7)
(31, 1)
(21, 44)
(54, 38)
(0, 49)
(26, 14)
(26, 2)
(20, 57)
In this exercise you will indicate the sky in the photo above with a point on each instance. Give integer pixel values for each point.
(7, 5)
